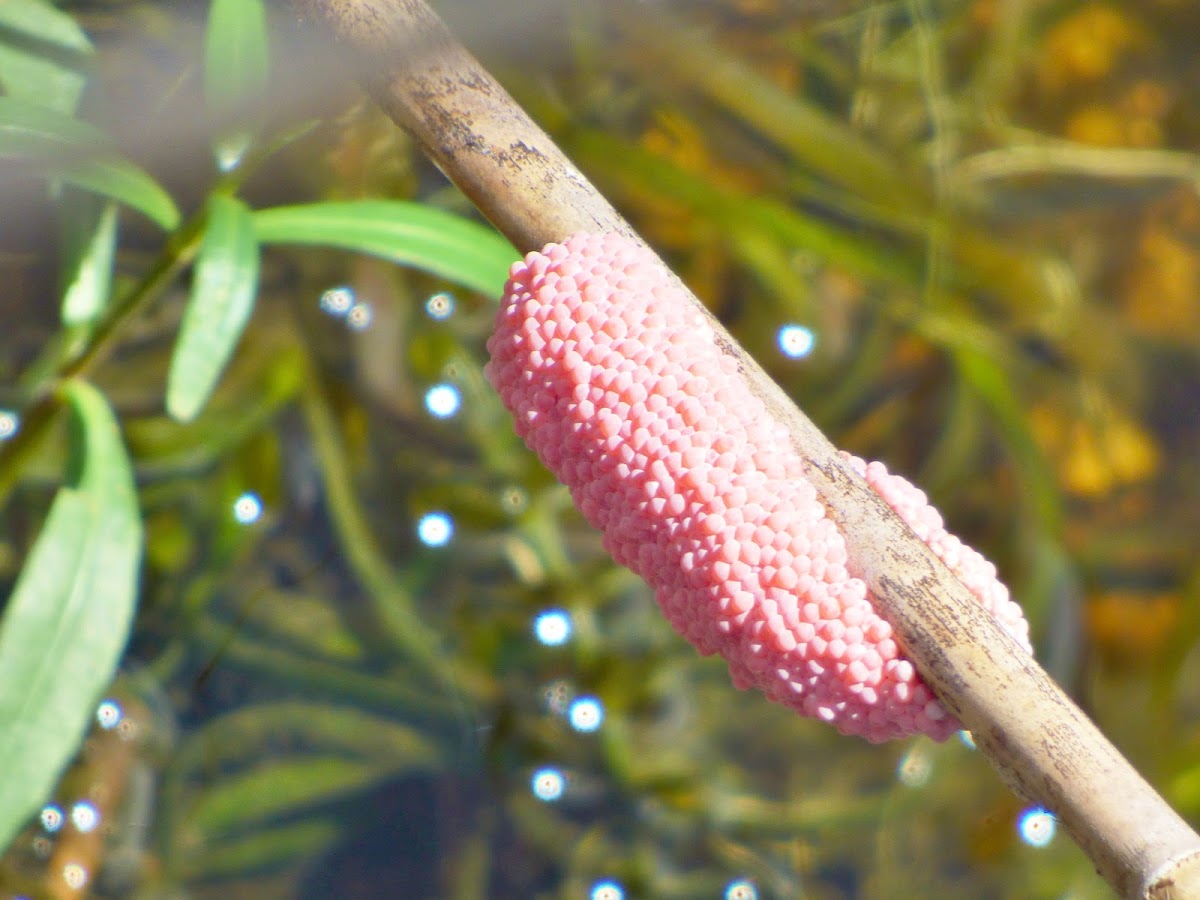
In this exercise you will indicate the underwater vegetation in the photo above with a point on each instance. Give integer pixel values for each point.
(293, 612)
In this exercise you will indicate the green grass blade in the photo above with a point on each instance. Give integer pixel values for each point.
(58, 146)
(264, 849)
(223, 290)
(90, 225)
(43, 54)
(236, 65)
(126, 183)
(68, 619)
(236, 54)
(280, 788)
(28, 130)
(424, 237)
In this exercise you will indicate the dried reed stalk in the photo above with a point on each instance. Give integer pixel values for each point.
(1042, 745)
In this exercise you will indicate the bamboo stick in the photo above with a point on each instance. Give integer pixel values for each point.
(1041, 744)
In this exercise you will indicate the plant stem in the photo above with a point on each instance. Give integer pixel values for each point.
(1042, 745)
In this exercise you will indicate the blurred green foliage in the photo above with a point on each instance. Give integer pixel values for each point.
(983, 212)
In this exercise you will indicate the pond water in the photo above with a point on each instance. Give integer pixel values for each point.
(377, 653)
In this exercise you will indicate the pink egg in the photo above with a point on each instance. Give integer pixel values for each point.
(621, 388)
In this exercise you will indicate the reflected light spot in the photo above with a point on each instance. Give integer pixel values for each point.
(84, 816)
(443, 400)
(607, 890)
(10, 424)
(742, 889)
(586, 714)
(75, 875)
(796, 341)
(557, 696)
(915, 768)
(435, 529)
(108, 714)
(967, 739)
(548, 784)
(440, 305)
(230, 151)
(247, 508)
(360, 316)
(1037, 826)
(338, 301)
(514, 499)
(553, 627)
(52, 818)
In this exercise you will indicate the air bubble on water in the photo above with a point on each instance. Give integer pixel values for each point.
(915, 768)
(548, 784)
(440, 305)
(337, 301)
(741, 889)
(360, 316)
(1037, 826)
(607, 890)
(796, 341)
(108, 714)
(84, 816)
(75, 875)
(557, 696)
(443, 400)
(553, 627)
(247, 508)
(514, 499)
(435, 529)
(51, 817)
(10, 424)
(586, 714)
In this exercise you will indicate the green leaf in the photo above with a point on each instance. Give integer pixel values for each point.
(266, 848)
(236, 64)
(69, 616)
(29, 130)
(408, 233)
(90, 226)
(43, 53)
(126, 183)
(223, 289)
(236, 54)
(57, 146)
(252, 731)
(993, 383)
(280, 788)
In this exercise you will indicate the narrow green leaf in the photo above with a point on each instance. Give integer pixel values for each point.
(424, 237)
(223, 289)
(43, 54)
(251, 731)
(993, 384)
(68, 619)
(280, 788)
(236, 64)
(266, 848)
(90, 241)
(31, 130)
(236, 54)
(58, 146)
(126, 183)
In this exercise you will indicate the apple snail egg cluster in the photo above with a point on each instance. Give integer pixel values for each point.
(619, 385)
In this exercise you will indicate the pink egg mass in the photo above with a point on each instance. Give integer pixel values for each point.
(618, 384)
